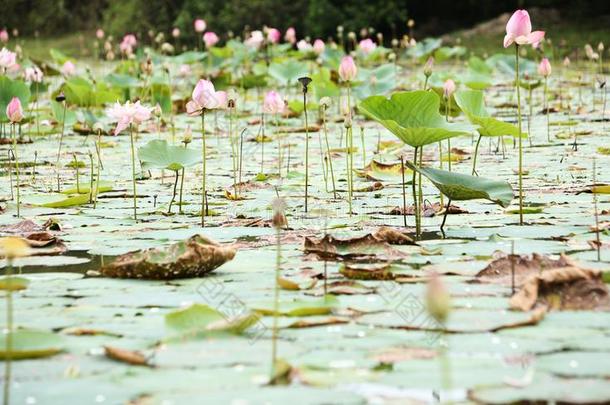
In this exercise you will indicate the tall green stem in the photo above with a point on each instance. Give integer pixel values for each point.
(276, 298)
(520, 140)
(133, 173)
(414, 187)
(546, 110)
(203, 167)
(328, 154)
(16, 155)
(61, 139)
(306, 148)
(476, 152)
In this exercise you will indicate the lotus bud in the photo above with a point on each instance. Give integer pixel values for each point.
(110, 56)
(166, 47)
(395, 43)
(279, 218)
(448, 88)
(410, 23)
(188, 136)
(340, 29)
(438, 300)
(176, 32)
(428, 66)
(392, 57)
(325, 102)
(160, 37)
(14, 111)
(347, 69)
(351, 35)
(544, 68)
(347, 122)
(380, 38)
(600, 47)
(589, 51)
(566, 62)
(157, 110)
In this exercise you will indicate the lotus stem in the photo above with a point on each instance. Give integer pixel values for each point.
(90, 177)
(133, 173)
(61, 138)
(474, 161)
(520, 140)
(349, 143)
(420, 194)
(328, 153)
(598, 242)
(404, 192)
(169, 210)
(262, 144)
(447, 108)
(279, 146)
(181, 188)
(445, 216)
(414, 186)
(363, 147)
(34, 167)
(16, 156)
(203, 167)
(98, 150)
(546, 110)
(11, 156)
(76, 173)
(276, 298)
(306, 147)
(529, 116)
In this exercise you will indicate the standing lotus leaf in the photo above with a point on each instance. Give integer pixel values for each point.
(193, 257)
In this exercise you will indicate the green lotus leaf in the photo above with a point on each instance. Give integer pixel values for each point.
(473, 105)
(158, 154)
(9, 89)
(413, 116)
(457, 186)
(31, 344)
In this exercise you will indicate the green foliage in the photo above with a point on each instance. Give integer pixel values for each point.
(9, 89)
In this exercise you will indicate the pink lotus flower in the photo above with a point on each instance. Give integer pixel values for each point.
(255, 40)
(210, 38)
(544, 68)
(273, 35)
(273, 103)
(128, 43)
(68, 69)
(7, 59)
(4, 36)
(99, 34)
(14, 112)
(176, 32)
(223, 100)
(304, 46)
(448, 88)
(205, 97)
(318, 46)
(199, 25)
(519, 30)
(347, 69)
(367, 46)
(290, 36)
(128, 114)
(33, 75)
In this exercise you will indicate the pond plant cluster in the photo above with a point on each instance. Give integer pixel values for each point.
(269, 219)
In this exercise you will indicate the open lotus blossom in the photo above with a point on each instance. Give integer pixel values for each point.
(448, 88)
(7, 59)
(273, 35)
(128, 114)
(205, 97)
(255, 40)
(4, 36)
(68, 69)
(290, 36)
(318, 46)
(33, 74)
(14, 111)
(176, 32)
(99, 33)
(273, 103)
(223, 100)
(519, 30)
(347, 69)
(304, 46)
(367, 46)
(199, 25)
(210, 39)
(544, 68)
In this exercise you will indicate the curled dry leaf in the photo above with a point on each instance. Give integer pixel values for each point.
(126, 356)
(567, 288)
(500, 270)
(193, 257)
(36, 236)
(429, 210)
(362, 248)
(392, 236)
(367, 271)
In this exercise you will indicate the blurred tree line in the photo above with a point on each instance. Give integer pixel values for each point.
(317, 18)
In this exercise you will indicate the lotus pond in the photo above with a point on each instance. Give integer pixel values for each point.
(257, 222)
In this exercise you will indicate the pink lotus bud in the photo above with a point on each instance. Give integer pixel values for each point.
(273, 35)
(99, 34)
(544, 68)
(318, 46)
(199, 25)
(4, 36)
(273, 103)
(8, 59)
(367, 46)
(33, 75)
(290, 36)
(255, 40)
(210, 39)
(14, 112)
(566, 62)
(519, 30)
(68, 69)
(304, 46)
(347, 69)
(448, 88)
(176, 32)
